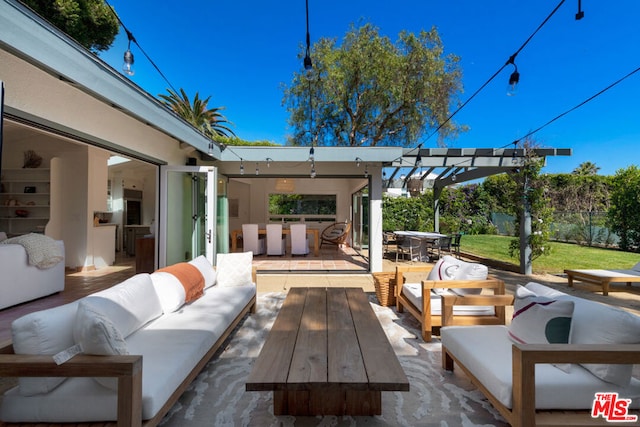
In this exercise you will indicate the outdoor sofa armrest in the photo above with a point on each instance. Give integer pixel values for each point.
(127, 368)
(498, 301)
(526, 356)
(400, 279)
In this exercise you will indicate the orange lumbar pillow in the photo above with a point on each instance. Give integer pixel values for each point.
(190, 278)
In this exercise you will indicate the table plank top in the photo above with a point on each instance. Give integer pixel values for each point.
(323, 337)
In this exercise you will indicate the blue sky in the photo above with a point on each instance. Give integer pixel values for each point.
(241, 53)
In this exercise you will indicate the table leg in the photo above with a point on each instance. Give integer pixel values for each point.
(234, 241)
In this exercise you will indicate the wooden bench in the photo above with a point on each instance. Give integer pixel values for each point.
(327, 354)
(602, 278)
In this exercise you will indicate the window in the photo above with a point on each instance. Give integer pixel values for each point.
(297, 207)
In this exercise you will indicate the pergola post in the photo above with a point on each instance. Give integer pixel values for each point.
(437, 192)
(525, 233)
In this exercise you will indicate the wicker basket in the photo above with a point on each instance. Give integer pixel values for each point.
(385, 284)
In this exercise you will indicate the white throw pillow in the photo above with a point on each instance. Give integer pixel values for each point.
(445, 269)
(596, 323)
(3, 236)
(97, 335)
(130, 304)
(206, 269)
(450, 268)
(540, 320)
(170, 291)
(45, 332)
(234, 269)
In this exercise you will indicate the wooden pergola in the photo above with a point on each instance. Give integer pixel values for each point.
(457, 165)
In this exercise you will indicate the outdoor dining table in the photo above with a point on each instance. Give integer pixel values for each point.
(428, 240)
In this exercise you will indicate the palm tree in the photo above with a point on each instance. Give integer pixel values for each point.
(586, 169)
(210, 121)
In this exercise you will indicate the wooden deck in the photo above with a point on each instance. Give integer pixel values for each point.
(327, 354)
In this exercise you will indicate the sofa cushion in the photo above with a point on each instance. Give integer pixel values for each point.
(129, 305)
(97, 335)
(234, 269)
(413, 292)
(190, 278)
(486, 352)
(170, 291)
(596, 323)
(450, 268)
(540, 320)
(45, 332)
(206, 269)
(3, 236)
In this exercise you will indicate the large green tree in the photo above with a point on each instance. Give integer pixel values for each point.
(624, 213)
(210, 121)
(91, 23)
(369, 91)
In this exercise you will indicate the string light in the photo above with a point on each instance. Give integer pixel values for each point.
(127, 67)
(133, 39)
(358, 160)
(257, 169)
(312, 155)
(366, 171)
(313, 170)
(514, 78)
(269, 160)
(241, 167)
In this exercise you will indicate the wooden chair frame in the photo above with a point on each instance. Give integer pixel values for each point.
(326, 237)
(428, 321)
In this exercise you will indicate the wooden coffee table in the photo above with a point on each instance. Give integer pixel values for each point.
(327, 354)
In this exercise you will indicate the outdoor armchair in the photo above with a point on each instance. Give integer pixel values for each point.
(423, 299)
(335, 234)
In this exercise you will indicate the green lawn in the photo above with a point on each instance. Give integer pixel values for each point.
(563, 255)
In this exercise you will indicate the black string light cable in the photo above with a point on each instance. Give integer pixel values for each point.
(509, 61)
(133, 39)
(559, 116)
(591, 98)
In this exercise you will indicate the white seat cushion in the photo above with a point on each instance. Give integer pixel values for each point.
(413, 292)
(486, 352)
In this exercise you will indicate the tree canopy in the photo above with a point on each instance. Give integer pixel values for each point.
(210, 121)
(369, 91)
(91, 23)
(625, 205)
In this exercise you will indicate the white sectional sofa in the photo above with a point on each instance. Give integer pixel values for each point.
(554, 338)
(144, 331)
(21, 282)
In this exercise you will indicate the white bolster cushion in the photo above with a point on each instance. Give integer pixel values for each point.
(206, 269)
(45, 332)
(129, 305)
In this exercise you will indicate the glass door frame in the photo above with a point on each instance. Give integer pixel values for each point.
(210, 209)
